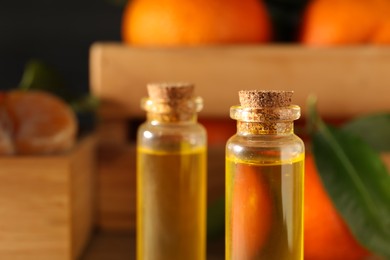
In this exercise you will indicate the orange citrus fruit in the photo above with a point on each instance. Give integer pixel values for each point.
(335, 22)
(195, 22)
(41, 122)
(251, 213)
(326, 235)
(6, 130)
(382, 34)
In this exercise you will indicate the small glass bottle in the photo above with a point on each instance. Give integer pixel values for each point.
(264, 179)
(171, 176)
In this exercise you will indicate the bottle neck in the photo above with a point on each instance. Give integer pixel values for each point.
(265, 128)
(265, 121)
(171, 117)
(162, 111)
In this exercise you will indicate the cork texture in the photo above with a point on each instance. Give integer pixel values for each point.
(170, 92)
(265, 98)
(172, 102)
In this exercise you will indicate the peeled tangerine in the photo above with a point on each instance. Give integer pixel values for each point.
(35, 122)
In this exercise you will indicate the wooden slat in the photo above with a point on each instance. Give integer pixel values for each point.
(121, 246)
(348, 81)
(82, 194)
(34, 208)
(116, 187)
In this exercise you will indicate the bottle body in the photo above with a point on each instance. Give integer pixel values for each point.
(264, 197)
(171, 191)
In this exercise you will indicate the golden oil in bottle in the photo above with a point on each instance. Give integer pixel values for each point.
(171, 176)
(264, 179)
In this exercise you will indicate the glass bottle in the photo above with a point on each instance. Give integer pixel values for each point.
(171, 176)
(264, 179)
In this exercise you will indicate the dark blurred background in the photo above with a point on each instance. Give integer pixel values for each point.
(56, 32)
(60, 33)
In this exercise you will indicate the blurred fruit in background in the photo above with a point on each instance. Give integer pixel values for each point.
(41, 116)
(38, 75)
(195, 22)
(382, 35)
(202, 22)
(347, 196)
(41, 123)
(6, 130)
(251, 212)
(327, 236)
(340, 22)
(347, 199)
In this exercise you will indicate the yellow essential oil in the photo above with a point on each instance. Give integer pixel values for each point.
(264, 180)
(171, 176)
(171, 204)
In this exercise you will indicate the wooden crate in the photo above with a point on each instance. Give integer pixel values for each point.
(47, 204)
(116, 186)
(348, 81)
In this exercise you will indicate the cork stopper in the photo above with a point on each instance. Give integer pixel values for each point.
(265, 98)
(170, 92)
(171, 102)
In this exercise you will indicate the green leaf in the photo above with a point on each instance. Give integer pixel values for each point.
(39, 76)
(216, 219)
(374, 129)
(357, 181)
(85, 104)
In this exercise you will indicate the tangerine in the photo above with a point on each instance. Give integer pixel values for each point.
(195, 22)
(251, 213)
(326, 235)
(382, 35)
(41, 122)
(336, 22)
(6, 143)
